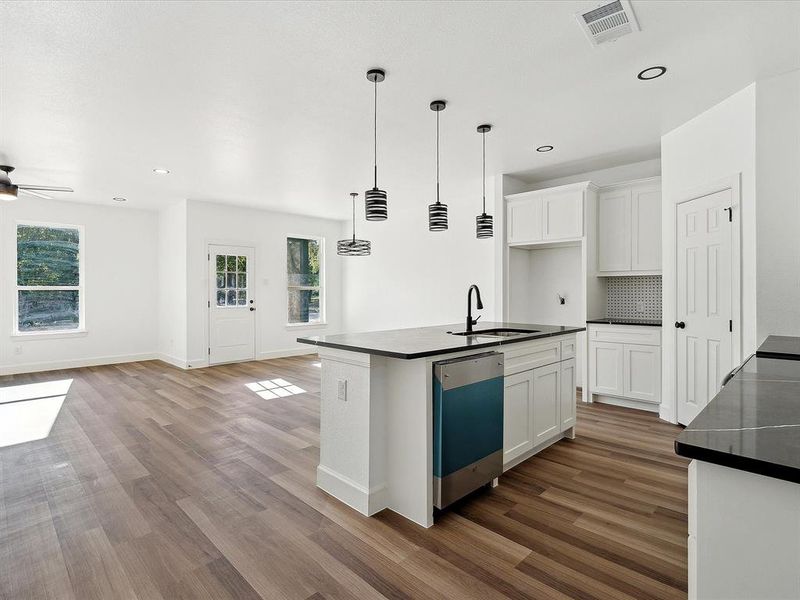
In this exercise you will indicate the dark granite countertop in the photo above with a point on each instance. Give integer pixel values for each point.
(753, 424)
(625, 321)
(420, 342)
(780, 346)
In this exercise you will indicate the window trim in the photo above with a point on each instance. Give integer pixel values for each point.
(81, 287)
(322, 322)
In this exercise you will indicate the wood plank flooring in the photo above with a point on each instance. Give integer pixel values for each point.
(157, 483)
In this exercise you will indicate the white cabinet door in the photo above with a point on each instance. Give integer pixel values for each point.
(646, 228)
(567, 394)
(605, 368)
(562, 215)
(614, 230)
(524, 220)
(517, 415)
(546, 402)
(642, 372)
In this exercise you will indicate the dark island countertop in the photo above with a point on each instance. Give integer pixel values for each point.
(753, 424)
(780, 346)
(420, 342)
(625, 321)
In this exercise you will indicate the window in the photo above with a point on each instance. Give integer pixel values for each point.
(231, 280)
(49, 278)
(304, 257)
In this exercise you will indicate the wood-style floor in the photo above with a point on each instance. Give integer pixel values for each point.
(161, 483)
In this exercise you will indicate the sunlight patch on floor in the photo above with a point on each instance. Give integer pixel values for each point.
(274, 388)
(28, 412)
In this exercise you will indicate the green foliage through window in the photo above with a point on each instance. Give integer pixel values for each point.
(303, 269)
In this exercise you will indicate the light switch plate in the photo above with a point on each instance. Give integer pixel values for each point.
(342, 390)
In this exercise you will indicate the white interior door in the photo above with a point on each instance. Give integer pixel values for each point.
(704, 311)
(231, 306)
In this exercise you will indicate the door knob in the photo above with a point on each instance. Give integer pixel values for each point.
(680, 324)
(252, 308)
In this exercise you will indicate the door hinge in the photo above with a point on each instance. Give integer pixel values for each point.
(209, 304)
(209, 256)
(730, 213)
(730, 325)
(209, 351)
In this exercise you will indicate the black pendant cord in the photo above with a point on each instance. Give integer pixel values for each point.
(353, 195)
(484, 172)
(437, 157)
(375, 131)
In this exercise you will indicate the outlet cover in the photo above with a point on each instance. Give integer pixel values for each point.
(342, 390)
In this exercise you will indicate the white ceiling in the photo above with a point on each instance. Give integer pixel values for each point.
(266, 104)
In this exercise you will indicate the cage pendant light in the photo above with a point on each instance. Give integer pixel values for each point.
(483, 222)
(437, 212)
(353, 247)
(375, 199)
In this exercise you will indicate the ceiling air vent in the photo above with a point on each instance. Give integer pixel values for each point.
(608, 22)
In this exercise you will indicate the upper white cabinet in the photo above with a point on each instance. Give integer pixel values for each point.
(547, 215)
(629, 228)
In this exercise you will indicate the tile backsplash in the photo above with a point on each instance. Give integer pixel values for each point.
(625, 293)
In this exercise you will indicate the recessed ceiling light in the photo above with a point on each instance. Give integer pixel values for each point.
(545, 148)
(119, 199)
(651, 73)
(161, 171)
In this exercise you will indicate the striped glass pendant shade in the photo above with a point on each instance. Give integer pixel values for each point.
(484, 228)
(375, 199)
(437, 212)
(353, 246)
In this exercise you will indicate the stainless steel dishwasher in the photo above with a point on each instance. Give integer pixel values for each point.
(467, 425)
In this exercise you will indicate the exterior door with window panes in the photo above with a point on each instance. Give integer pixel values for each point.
(232, 331)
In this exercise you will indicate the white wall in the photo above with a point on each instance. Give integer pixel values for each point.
(172, 302)
(120, 294)
(416, 277)
(717, 144)
(266, 231)
(601, 177)
(778, 191)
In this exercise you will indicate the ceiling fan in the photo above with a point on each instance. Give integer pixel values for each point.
(8, 191)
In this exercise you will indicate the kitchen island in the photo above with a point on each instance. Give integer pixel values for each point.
(376, 412)
(744, 481)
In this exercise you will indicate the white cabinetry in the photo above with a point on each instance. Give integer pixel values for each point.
(541, 216)
(625, 362)
(539, 402)
(629, 228)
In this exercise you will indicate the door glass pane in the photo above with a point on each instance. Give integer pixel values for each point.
(47, 256)
(241, 279)
(220, 262)
(220, 281)
(231, 263)
(48, 310)
(303, 306)
(231, 297)
(231, 280)
(242, 264)
(302, 261)
(220, 297)
(241, 296)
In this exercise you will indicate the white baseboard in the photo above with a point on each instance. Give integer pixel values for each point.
(57, 365)
(286, 353)
(627, 403)
(366, 501)
(173, 360)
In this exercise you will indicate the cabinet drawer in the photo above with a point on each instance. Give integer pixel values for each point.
(568, 348)
(625, 334)
(530, 357)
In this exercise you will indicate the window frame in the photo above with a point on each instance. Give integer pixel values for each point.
(322, 321)
(81, 287)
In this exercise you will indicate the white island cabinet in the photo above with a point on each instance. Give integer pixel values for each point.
(376, 411)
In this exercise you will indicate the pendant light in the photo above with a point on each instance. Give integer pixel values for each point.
(437, 212)
(375, 199)
(353, 247)
(483, 222)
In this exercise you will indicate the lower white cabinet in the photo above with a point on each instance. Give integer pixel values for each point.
(539, 402)
(567, 394)
(518, 415)
(627, 367)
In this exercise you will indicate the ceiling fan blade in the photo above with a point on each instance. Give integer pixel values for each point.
(45, 188)
(37, 194)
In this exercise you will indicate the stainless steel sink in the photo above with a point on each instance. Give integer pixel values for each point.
(497, 332)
